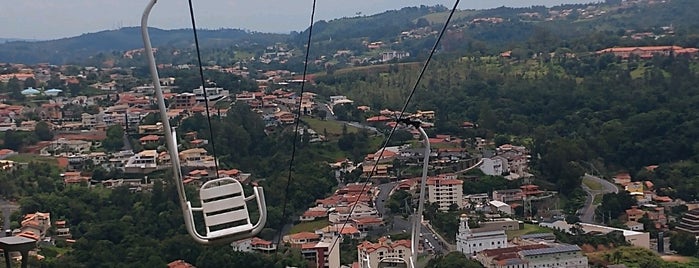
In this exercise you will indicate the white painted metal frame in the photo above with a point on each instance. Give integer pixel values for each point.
(223, 201)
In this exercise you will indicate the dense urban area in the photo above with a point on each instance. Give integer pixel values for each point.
(560, 137)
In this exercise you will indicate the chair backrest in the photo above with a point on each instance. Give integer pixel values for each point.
(223, 204)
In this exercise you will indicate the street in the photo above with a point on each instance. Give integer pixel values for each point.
(7, 209)
(397, 224)
(588, 211)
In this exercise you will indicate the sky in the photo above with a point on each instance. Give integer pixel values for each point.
(52, 19)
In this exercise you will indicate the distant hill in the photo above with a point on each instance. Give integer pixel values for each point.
(581, 28)
(75, 49)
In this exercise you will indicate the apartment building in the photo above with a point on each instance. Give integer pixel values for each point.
(445, 192)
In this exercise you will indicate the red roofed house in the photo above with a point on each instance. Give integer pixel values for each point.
(623, 178)
(179, 264)
(634, 214)
(5, 153)
(149, 139)
(35, 225)
(74, 177)
(367, 223)
(298, 239)
(341, 229)
(313, 214)
(385, 251)
(648, 51)
(261, 245)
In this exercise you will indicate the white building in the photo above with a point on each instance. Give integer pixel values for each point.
(471, 241)
(445, 192)
(322, 254)
(387, 252)
(340, 214)
(494, 166)
(498, 206)
(212, 93)
(143, 162)
(534, 256)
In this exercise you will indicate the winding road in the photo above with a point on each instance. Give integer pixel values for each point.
(7, 209)
(588, 211)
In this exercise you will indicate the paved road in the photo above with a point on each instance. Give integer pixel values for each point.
(7, 209)
(588, 211)
(396, 224)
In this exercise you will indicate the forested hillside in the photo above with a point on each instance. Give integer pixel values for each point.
(621, 114)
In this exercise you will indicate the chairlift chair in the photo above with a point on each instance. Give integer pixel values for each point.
(223, 202)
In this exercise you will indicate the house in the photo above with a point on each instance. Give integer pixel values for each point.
(301, 238)
(5, 153)
(179, 264)
(261, 245)
(689, 222)
(648, 52)
(184, 101)
(390, 253)
(510, 195)
(212, 94)
(285, 117)
(622, 178)
(494, 166)
(149, 140)
(150, 129)
(341, 230)
(367, 223)
(358, 210)
(62, 231)
(500, 207)
(634, 225)
(35, 225)
(634, 214)
(314, 213)
(143, 162)
(75, 178)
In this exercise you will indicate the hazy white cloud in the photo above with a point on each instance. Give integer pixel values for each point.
(48, 19)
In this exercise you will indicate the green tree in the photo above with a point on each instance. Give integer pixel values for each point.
(684, 243)
(43, 131)
(115, 138)
(15, 88)
(13, 140)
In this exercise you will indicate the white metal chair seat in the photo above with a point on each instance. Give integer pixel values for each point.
(225, 211)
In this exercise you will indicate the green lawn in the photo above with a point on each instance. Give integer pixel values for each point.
(528, 229)
(593, 185)
(309, 226)
(26, 158)
(334, 128)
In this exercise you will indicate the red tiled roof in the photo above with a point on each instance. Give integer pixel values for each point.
(383, 243)
(259, 241)
(179, 264)
(441, 181)
(149, 138)
(315, 213)
(368, 220)
(304, 235)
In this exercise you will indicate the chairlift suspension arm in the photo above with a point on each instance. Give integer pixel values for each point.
(169, 137)
(416, 224)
